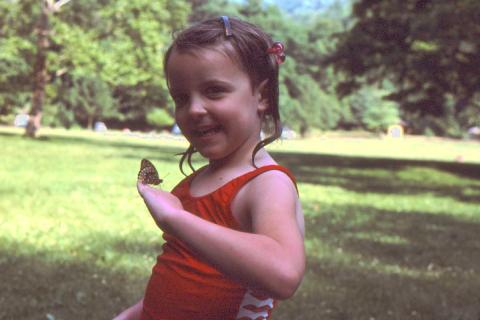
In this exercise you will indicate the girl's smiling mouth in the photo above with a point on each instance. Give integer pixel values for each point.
(206, 131)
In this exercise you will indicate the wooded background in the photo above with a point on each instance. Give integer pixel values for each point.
(350, 64)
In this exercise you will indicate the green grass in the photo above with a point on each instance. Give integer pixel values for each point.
(393, 226)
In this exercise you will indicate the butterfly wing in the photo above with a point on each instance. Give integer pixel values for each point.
(148, 174)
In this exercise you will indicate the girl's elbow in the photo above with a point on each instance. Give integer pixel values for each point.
(288, 285)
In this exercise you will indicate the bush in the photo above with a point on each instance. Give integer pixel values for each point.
(369, 109)
(159, 118)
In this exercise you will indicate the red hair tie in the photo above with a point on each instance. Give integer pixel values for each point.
(278, 50)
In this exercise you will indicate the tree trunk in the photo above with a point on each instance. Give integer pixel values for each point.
(40, 76)
(90, 122)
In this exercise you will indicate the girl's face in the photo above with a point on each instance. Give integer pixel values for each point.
(215, 106)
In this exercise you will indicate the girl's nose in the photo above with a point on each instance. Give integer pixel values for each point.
(197, 107)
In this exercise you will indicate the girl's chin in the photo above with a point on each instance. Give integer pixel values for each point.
(211, 155)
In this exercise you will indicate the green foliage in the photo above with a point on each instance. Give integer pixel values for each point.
(88, 99)
(125, 50)
(305, 100)
(299, 7)
(58, 116)
(454, 122)
(121, 43)
(314, 108)
(368, 109)
(117, 44)
(16, 53)
(205, 9)
(380, 117)
(428, 49)
(159, 118)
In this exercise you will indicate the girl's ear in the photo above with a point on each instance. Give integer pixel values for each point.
(262, 92)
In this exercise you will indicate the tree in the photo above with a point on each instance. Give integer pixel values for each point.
(121, 43)
(15, 71)
(88, 98)
(160, 119)
(371, 111)
(204, 9)
(40, 76)
(307, 106)
(302, 6)
(428, 49)
(305, 100)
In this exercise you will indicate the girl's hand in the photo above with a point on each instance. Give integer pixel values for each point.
(161, 204)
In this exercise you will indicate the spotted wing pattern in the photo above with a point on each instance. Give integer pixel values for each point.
(148, 174)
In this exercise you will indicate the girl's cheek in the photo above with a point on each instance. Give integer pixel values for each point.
(178, 117)
(181, 123)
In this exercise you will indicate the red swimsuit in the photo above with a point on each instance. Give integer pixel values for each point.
(184, 287)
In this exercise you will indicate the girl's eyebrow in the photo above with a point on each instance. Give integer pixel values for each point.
(175, 89)
(217, 82)
(209, 82)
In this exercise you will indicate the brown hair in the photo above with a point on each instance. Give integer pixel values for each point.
(247, 44)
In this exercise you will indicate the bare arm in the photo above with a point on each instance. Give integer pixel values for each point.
(132, 313)
(270, 259)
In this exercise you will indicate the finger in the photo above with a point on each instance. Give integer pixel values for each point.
(141, 186)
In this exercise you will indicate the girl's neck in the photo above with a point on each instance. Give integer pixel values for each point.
(241, 163)
(218, 172)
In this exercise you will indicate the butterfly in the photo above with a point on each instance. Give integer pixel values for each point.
(148, 174)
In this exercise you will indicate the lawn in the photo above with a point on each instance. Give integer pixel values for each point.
(393, 226)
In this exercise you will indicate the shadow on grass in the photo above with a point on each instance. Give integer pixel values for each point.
(359, 174)
(386, 176)
(131, 150)
(90, 285)
(128, 150)
(413, 240)
(428, 272)
(332, 292)
(387, 266)
(9, 134)
(33, 287)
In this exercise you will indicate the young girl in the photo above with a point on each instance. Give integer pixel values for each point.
(234, 229)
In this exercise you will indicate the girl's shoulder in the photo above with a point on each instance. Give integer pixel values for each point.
(272, 177)
(265, 179)
(271, 196)
(273, 172)
(201, 183)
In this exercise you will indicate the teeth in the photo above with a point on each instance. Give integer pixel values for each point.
(208, 131)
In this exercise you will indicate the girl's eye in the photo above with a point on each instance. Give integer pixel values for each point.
(180, 99)
(214, 92)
